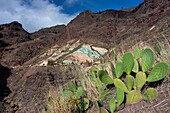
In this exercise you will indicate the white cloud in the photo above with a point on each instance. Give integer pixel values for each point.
(34, 14)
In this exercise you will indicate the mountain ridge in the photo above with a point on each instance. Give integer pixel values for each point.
(20, 51)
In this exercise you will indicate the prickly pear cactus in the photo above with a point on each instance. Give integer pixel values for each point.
(150, 94)
(159, 72)
(140, 80)
(128, 62)
(104, 77)
(112, 105)
(120, 84)
(147, 59)
(133, 96)
(119, 69)
(139, 70)
(129, 82)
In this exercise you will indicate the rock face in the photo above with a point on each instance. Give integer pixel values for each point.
(13, 33)
(153, 7)
(23, 55)
(38, 42)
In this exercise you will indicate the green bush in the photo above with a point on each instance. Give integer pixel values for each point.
(51, 63)
(76, 94)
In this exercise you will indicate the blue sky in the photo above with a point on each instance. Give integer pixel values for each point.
(73, 6)
(37, 14)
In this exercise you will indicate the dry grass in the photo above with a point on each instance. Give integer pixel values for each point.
(92, 92)
(57, 104)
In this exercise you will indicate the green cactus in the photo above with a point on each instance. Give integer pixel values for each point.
(119, 84)
(94, 69)
(76, 94)
(133, 96)
(147, 59)
(119, 96)
(93, 77)
(137, 53)
(67, 93)
(150, 94)
(136, 66)
(159, 72)
(71, 86)
(128, 62)
(139, 69)
(112, 105)
(79, 92)
(129, 82)
(104, 77)
(134, 85)
(140, 79)
(84, 104)
(103, 110)
(119, 69)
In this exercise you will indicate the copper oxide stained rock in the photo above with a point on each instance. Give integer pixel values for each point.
(86, 53)
(72, 53)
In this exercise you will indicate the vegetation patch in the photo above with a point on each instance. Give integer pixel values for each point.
(127, 84)
(51, 63)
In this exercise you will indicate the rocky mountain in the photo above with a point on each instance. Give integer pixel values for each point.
(25, 57)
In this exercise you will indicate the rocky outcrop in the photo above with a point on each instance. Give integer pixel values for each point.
(13, 33)
(22, 52)
(153, 7)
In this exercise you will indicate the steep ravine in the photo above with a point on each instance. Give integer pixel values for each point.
(4, 89)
